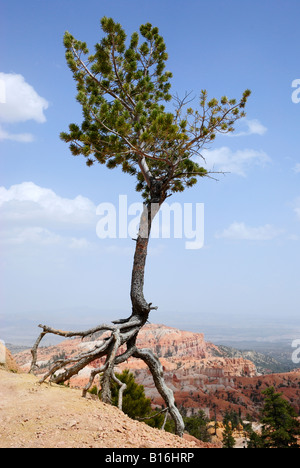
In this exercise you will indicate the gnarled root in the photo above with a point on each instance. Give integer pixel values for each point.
(123, 332)
(166, 393)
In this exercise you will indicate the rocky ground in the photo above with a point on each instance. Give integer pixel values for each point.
(44, 416)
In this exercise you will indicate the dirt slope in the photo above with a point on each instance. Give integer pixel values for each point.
(43, 416)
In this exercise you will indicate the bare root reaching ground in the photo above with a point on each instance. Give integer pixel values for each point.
(125, 333)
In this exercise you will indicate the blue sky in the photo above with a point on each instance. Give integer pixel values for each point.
(53, 265)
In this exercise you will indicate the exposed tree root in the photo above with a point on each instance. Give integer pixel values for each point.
(122, 332)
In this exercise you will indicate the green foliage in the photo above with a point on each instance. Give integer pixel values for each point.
(280, 424)
(228, 439)
(231, 421)
(233, 418)
(123, 87)
(197, 426)
(135, 403)
(254, 440)
(94, 390)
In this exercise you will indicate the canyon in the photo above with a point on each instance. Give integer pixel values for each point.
(202, 375)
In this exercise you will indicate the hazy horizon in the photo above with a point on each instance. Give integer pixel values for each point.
(23, 329)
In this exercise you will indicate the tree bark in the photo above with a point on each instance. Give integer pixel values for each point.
(156, 369)
(140, 307)
(123, 332)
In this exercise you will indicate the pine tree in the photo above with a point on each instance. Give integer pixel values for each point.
(197, 426)
(233, 418)
(228, 439)
(281, 428)
(135, 403)
(253, 439)
(125, 93)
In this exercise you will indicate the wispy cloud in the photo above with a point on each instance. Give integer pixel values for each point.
(19, 137)
(297, 168)
(250, 127)
(236, 162)
(297, 207)
(240, 231)
(29, 235)
(37, 237)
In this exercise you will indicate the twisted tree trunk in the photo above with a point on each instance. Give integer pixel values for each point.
(123, 332)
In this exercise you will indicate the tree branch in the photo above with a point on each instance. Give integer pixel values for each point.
(122, 388)
(154, 415)
(106, 90)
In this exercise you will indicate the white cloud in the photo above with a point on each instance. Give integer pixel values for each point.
(251, 127)
(27, 203)
(36, 216)
(236, 162)
(239, 231)
(2, 92)
(20, 101)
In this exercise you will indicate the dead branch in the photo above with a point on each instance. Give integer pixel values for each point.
(165, 420)
(122, 389)
(153, 415)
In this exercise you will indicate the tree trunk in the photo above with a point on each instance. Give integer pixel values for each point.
(140, 307)
(123, 332)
